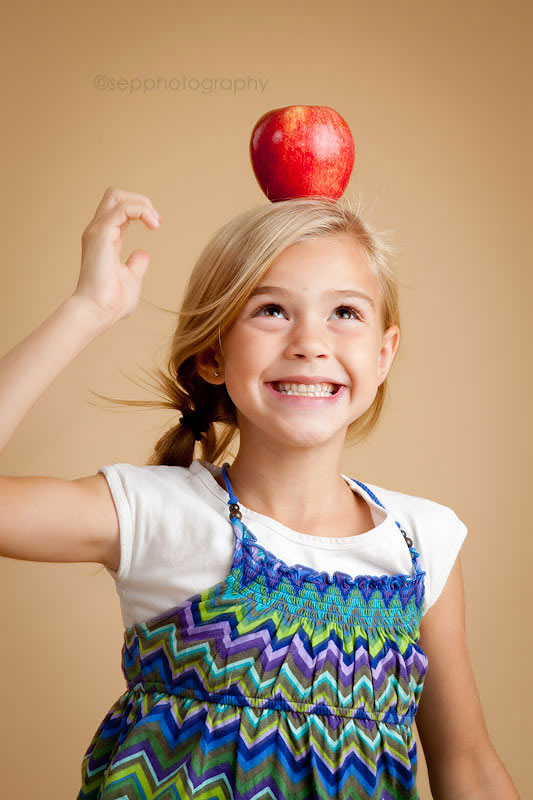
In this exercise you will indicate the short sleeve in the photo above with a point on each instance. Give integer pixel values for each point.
(125, 505)
(160, 543)
(449, 539)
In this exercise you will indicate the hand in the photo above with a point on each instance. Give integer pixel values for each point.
(111, 287)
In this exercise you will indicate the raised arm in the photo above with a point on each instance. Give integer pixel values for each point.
(107, 291)
(49, 519)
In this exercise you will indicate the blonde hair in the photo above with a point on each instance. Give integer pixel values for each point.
(231, 265)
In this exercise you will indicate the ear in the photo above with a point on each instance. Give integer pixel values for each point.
(391, 342)
(207, 363)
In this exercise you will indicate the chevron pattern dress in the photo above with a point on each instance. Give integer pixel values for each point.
(278, 683)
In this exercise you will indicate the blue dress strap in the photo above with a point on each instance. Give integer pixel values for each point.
(234, 500)
(407, 538)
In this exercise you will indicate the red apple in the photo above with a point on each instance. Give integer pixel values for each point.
(299, 151)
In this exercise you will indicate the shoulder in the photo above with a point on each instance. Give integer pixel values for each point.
(155, 506)
(162, 491)
(436, 530)
(133, 479)
(145, 471)
(420, 514)
(145, 495)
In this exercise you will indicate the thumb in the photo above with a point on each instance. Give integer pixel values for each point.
(138, 262)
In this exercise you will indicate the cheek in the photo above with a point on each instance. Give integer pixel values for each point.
(362, 353)
(245, 364)
(251, 347)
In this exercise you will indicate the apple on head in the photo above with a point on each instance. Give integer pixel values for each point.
(302, 151)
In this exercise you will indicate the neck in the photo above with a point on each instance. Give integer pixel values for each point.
(304, 493)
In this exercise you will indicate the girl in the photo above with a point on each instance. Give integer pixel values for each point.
(281, 618)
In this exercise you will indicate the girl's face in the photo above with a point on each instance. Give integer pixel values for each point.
(299, 327)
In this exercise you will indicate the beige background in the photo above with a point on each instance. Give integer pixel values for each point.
(438, 99)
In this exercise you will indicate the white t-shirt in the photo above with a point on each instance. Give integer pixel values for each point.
(176, 538)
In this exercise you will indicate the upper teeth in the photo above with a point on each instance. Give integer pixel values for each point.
(305, 388)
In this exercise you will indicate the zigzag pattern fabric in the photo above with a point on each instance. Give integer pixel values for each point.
(278, 683)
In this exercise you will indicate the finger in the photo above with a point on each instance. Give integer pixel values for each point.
(138, 262)
(113, 195)
(113, 223)
(120, 216)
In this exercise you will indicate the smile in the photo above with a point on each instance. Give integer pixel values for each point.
(312, 395)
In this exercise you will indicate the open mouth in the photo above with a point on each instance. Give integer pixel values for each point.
(323, 390)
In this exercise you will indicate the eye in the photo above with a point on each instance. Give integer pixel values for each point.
(275, 305)
(265, 308)
(352, 309)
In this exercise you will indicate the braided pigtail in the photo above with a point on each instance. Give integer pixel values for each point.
(201, 405)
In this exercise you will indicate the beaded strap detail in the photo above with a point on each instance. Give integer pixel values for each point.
(300, 572)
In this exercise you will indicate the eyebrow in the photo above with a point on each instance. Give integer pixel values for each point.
(332, 292)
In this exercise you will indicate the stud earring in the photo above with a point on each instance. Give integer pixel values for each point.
(217, 373)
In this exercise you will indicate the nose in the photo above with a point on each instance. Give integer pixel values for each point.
(307, 339)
